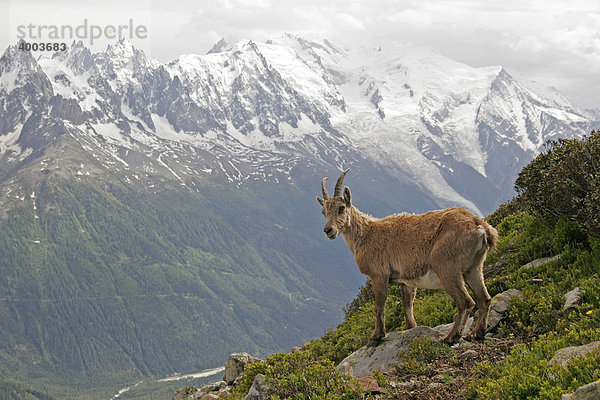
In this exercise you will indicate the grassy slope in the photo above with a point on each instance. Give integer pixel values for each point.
(561, 188)
(536, 325)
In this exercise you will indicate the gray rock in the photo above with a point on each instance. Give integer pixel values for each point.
(213, 387)
(572, 298)
(258, 390)
(540, 261)
(445, 329)
(494, 319)
(187, 393)
(500, 304)
(386, 354)
(224, 391)
(563, 356)
(501, 301)
(591, 391)
(235, 366)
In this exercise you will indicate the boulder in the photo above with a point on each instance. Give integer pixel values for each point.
(572, 298)
(500, 304)
(540, 261)
(563, 356)
(591, 391)
(258, 390)
(386, 354)
(235, 366)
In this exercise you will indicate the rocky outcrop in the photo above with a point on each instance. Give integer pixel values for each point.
(187, 393)
(387, 354)
(213, 391)
(390, 351)
(235, 366)
(258, 390)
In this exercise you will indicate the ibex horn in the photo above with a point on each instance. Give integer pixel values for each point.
(324, 189)
(338, 185)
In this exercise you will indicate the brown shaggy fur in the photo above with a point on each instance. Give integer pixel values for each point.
(438, 249)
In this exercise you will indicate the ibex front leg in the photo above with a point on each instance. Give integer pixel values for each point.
(380, 288)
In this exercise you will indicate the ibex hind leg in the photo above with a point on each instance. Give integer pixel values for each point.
(465, 304)
(474, 279)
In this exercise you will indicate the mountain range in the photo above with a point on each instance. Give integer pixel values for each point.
(157, 216)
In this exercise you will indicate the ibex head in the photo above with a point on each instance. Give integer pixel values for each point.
(336, 209)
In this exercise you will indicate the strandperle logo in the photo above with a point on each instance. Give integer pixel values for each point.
(84, 31)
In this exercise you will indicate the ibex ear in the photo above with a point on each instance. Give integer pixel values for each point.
(320, 201)
(347, 196)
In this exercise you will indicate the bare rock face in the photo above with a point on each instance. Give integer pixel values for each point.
(258, 390)
(235, 366)
(386, 354)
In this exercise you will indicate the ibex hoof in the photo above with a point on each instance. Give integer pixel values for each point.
(451, 340)
(476, 336)
(374, 340)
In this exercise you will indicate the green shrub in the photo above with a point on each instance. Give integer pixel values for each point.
(299, 375)
(511, 207)
(565, 182)
(526, 373)
(336, 344)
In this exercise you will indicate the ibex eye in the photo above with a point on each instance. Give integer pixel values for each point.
(341, 210)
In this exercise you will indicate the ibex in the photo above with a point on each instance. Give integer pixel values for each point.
(438, 249)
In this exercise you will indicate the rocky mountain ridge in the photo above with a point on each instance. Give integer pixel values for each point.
(254, 111)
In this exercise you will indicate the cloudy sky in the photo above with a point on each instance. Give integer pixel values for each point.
(554, 42)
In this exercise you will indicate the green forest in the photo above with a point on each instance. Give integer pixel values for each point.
(102, 286)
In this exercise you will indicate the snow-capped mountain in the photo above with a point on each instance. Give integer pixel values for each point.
(254, 111)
